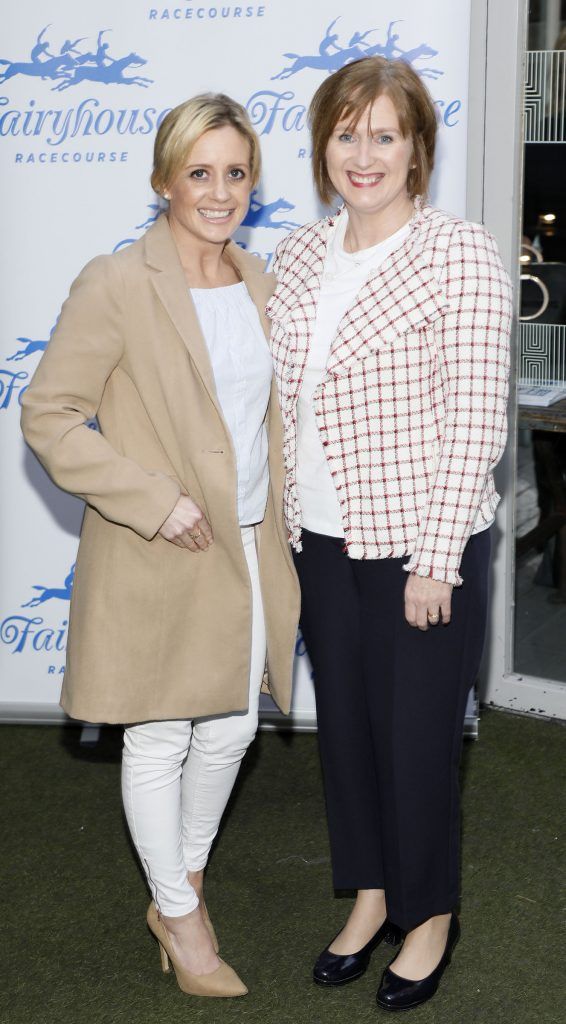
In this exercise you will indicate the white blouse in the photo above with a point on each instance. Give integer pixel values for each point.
(242, 369)
(344, 276)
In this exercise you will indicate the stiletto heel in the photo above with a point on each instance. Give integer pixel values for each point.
(208, 924)
(205, 915)
(165, 965)
(222, 983)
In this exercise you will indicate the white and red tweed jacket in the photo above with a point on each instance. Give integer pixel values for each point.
(412, 407)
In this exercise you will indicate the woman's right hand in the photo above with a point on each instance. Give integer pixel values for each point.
(187, 527)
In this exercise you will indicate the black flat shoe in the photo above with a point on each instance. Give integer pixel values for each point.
(336, 969)
(397, 993)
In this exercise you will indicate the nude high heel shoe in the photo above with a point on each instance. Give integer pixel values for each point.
(204, 914)
(222, 983)
(208, 924)
(206, 921)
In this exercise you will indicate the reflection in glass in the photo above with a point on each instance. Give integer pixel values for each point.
(540, 613)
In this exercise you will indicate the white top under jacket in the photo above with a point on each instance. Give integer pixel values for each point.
(343, 277)
(243, 370)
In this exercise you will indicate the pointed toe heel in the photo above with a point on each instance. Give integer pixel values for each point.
(223, 983)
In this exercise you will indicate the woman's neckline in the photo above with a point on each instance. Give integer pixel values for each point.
(218, 288)
(362, 254)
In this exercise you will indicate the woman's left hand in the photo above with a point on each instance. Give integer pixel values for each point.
(427, 602)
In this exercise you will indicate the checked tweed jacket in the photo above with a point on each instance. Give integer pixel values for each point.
(412, 408)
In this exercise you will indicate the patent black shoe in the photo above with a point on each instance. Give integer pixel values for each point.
(397, 993)
(336, 968)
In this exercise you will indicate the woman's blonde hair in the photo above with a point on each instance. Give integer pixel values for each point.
(345, 95)
(184, 125)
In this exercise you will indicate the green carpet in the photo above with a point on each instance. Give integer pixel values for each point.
(76, 948)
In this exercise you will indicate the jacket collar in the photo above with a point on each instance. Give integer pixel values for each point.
(308, 263)
(169, 281)
(401, 295)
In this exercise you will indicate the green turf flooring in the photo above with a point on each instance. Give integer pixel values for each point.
(75, 945)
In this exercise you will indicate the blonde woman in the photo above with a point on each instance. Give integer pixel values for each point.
(184, 581)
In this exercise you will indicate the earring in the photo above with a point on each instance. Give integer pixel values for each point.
(166, 196)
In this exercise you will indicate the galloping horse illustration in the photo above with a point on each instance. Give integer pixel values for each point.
(52, 68)
(410, 56)
(110, 74)
(325, 60)
(31, 346)
(64, 592)
(71, 66)
(260, 215)
(151, 218)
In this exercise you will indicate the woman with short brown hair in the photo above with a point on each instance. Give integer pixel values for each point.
(347, 94)
(390, 328)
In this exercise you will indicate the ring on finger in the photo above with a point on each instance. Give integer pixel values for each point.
(433, 616)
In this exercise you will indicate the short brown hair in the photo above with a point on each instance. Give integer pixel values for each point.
(185, 124)
(348, 92)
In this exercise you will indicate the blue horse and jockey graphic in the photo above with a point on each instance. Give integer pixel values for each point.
(30, 346)
(63, 593)
(259, 215)
(154, 209)
(71, 65)
(262, 215)
(332, 54)
(30, 633)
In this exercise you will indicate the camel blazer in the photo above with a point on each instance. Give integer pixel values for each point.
(156, 632)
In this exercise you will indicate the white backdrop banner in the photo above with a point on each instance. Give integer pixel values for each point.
(83, 88)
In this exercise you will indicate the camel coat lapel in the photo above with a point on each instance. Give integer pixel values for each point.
(170, 285)
(156, 632)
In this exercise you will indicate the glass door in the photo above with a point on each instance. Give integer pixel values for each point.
(540, 492)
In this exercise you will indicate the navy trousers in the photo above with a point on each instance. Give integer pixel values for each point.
(390, 703)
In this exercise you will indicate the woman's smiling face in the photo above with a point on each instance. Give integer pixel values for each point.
(369, 164)
(209, 198)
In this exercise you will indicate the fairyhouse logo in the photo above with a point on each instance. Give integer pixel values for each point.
(22, 633)
(279, 109)
(96, 63)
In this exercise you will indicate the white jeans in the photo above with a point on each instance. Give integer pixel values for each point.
(177, 776)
